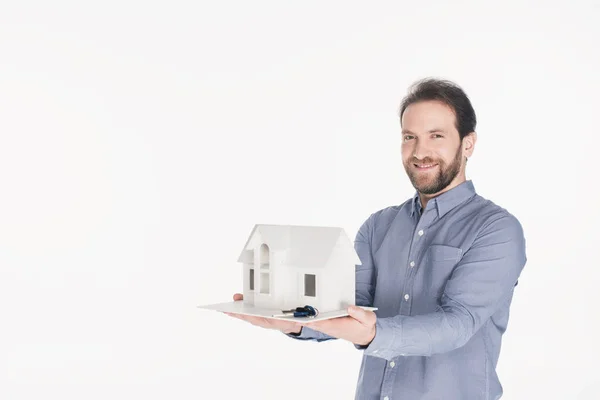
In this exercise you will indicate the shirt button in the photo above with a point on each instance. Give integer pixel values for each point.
(421, 232)
(412, 264)
(392, 364)
(406, 297)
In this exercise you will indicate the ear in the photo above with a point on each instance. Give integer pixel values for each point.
(469, 144)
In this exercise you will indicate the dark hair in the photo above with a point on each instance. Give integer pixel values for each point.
(448, 93)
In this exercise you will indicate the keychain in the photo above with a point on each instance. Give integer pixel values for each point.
(306, 311)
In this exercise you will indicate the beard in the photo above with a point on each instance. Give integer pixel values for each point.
(429, 183)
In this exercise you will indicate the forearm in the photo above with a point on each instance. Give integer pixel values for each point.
(421, 335)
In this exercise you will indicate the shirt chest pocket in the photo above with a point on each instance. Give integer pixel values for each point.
(440, 261)
(440, 253)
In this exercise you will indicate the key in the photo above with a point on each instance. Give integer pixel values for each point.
(306, 311)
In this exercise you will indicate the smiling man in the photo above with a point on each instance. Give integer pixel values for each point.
(441, 268)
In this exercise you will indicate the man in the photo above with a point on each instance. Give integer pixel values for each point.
(441, 268)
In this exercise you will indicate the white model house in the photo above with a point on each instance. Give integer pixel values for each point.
(288, 266)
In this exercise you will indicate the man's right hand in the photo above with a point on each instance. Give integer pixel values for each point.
(267, 323)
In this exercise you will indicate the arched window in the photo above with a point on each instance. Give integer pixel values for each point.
(264, 256)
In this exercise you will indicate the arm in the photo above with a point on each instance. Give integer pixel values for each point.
(365, 287)
(479, 284)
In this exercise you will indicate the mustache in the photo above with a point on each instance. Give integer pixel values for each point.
(423, 161)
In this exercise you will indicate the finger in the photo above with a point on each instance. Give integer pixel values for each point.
(251, 319)
(246, 318)
(238, 296)
(363, 316)
(328, 326)
(239, 316)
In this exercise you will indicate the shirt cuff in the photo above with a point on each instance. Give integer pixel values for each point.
(382, 344)
(305, 334)
(310, 334)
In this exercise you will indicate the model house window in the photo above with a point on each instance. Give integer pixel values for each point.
(310, 285)
(251, 278)
(264, 283)
(264, 261)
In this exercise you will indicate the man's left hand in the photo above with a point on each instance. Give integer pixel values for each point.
(357, 328)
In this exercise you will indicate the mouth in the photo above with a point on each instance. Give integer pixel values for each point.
(424, 167)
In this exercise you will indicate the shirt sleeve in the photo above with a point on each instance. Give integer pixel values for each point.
(364, 287)
(483, 279)
(366, 272)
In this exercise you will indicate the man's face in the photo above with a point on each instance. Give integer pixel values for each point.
(432, 152)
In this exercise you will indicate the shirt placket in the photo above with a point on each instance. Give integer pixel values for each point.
(416, 247)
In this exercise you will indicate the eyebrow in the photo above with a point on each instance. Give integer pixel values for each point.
(407, 132)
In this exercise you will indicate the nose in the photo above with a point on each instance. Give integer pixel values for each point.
(420, 150)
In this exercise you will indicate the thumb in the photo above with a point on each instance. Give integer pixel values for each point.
(361, 315)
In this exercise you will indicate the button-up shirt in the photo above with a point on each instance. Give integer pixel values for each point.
(442, 279)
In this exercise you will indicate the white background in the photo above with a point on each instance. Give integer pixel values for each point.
(140, 143)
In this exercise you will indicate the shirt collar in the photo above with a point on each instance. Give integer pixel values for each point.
(447, 200)
(416, 205)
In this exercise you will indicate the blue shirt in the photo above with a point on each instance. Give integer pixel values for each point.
(443, 281)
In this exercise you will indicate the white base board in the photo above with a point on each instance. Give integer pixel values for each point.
(238, 307)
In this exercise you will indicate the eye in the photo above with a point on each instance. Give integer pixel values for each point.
(437, 136)
(407, 138)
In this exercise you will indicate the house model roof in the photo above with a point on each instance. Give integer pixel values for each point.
(305, 246)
